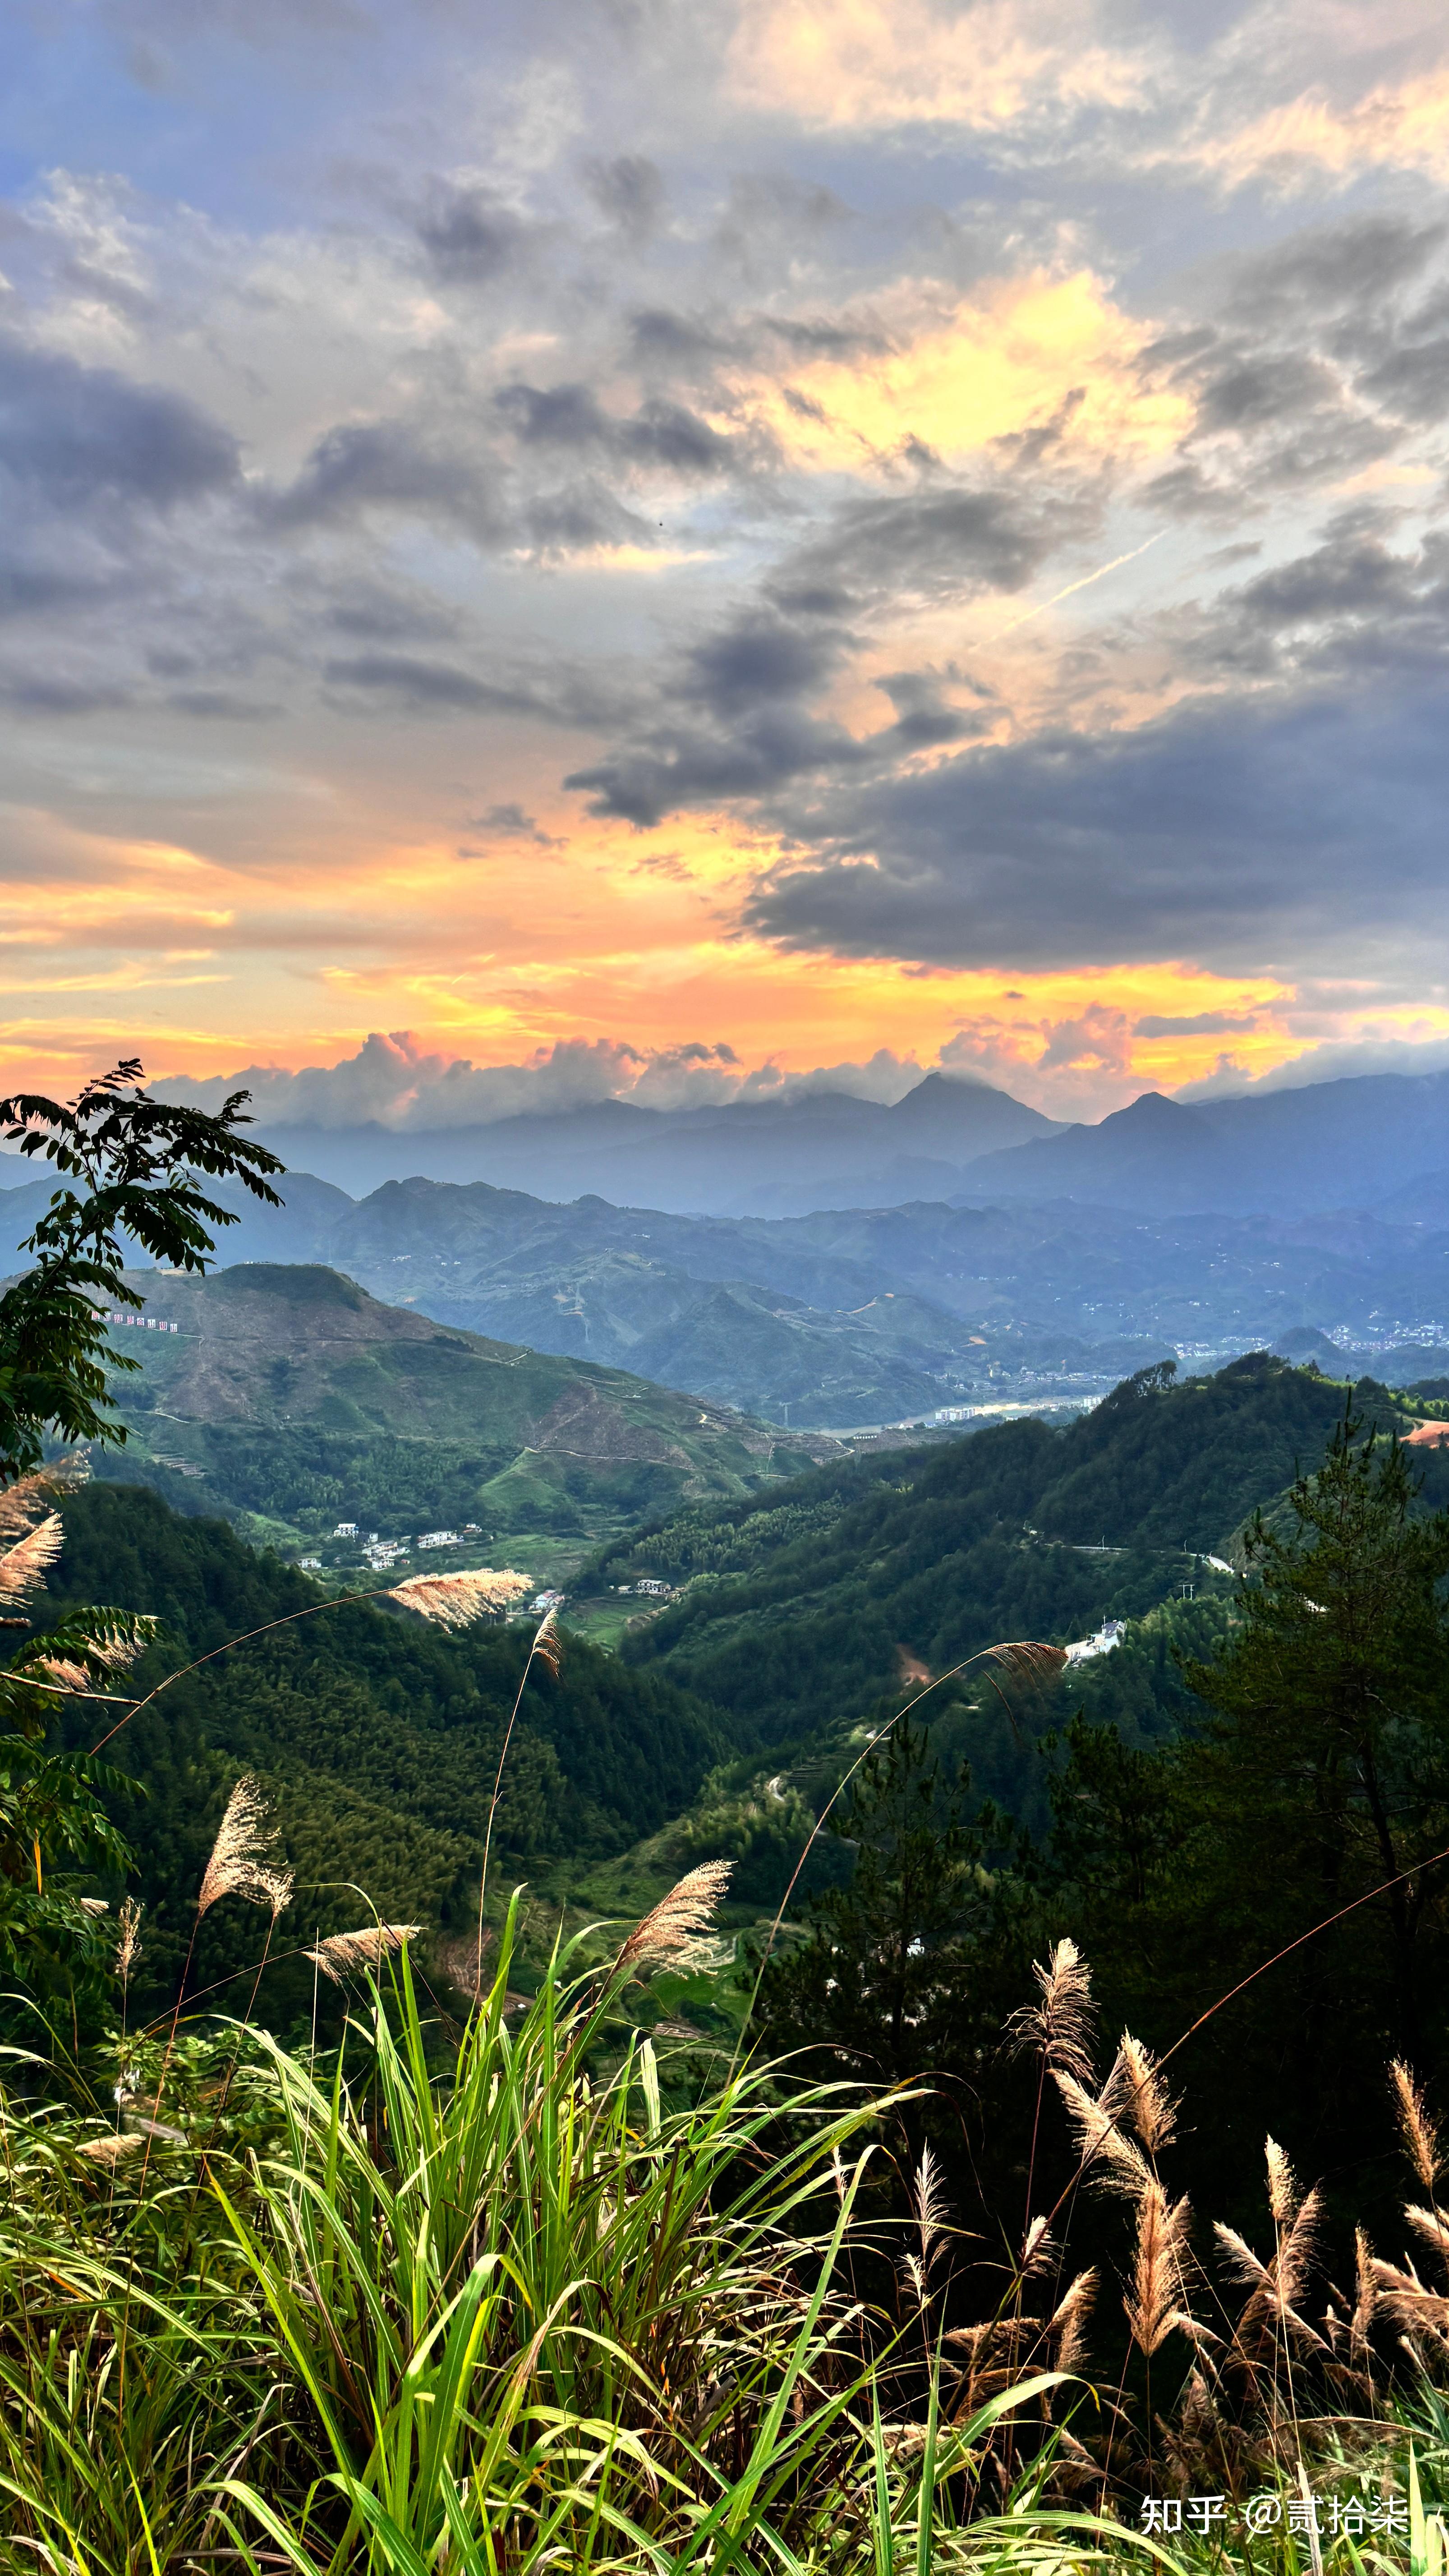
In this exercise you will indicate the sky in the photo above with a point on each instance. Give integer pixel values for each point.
(690, 548)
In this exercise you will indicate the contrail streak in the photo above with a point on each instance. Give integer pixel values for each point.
(1084, 584)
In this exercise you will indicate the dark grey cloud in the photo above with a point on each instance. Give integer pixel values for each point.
(385, 464)
(510, 823)
(470, 236)
(658, 435)
(559, 694)
(221, 706)
(925, 716)
(80, 435)
(1329, 349)
(1219, 830)
(1194, 1024)
(736, 714)
(736, 724)
(1324, 269)
(629, 193)
(933, 543)
(59, 693)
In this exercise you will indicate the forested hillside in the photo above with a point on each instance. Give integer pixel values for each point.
(803, 1610)
(379, 1735)
(289, 1399)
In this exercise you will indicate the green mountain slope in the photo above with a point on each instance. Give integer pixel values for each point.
(289, 1400)
(803, 1610)
(378, 1734)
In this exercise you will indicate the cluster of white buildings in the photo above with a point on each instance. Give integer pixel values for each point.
(648, 1583)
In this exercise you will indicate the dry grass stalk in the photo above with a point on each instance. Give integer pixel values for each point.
(547, 1643)
(23, 1566)
(456, 1600)
(1275, 2288)
(1366, 2290)
(675, 1934)
(1282, 2188)
(1039, 2249)
(128, 1948)
(237, 1866)
(1420, 2135)
(106, 1654)
(1068, 2326)
(1409, 2302)
(1136, 2088)
(1434, 2230)
(1058, 2030)
(929, 2207)
(109, 2150)
(1022, 1664)
(343, 1953)
(22, 1502)
(1156, 2302)
(94, 1905)
(1118, 2161)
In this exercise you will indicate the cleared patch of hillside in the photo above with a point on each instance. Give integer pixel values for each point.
(289, 1400)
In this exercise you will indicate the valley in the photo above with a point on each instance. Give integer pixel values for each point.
(291, 1401)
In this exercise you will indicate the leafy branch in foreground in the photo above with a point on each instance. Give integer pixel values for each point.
(131, 1164)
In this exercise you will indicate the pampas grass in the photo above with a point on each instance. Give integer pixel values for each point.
(23, 1566)
(1058, 2028)
(1155, 2303)
(343, 1954)
(237, 1866)
(1420, 2135)
(675, 1934)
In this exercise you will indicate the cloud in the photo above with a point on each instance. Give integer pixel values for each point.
(79, 435)
(510, 823)
(938, 544)
(661, 436)
(629, 192)
(1230, 830)
(398, 1083)
(362, 465)
(470, 236)
(1193, 1024)
(1334, 1060)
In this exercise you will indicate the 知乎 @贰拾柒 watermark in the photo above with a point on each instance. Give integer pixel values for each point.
(1321, 2517)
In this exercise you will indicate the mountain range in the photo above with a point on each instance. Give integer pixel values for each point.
(1075, 1255)
(1357, 1142)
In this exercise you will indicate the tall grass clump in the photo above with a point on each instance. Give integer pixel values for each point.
(511, 2306)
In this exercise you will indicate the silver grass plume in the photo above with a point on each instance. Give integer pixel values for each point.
(547, 1643)
(237, 1866)
(23, 1566)
(1068, 2325)
(1420, 2135)
(1058, 2029)
(1118, 2162)
(675, 1935)
(1155, 2303)
(1039, 2249)
(343, 1953)
(456, 1600)
(128, 1947)
(22, 1502)
(1135, 2091)
(1282, 2188)
(929, 2208)
(110, 2149)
